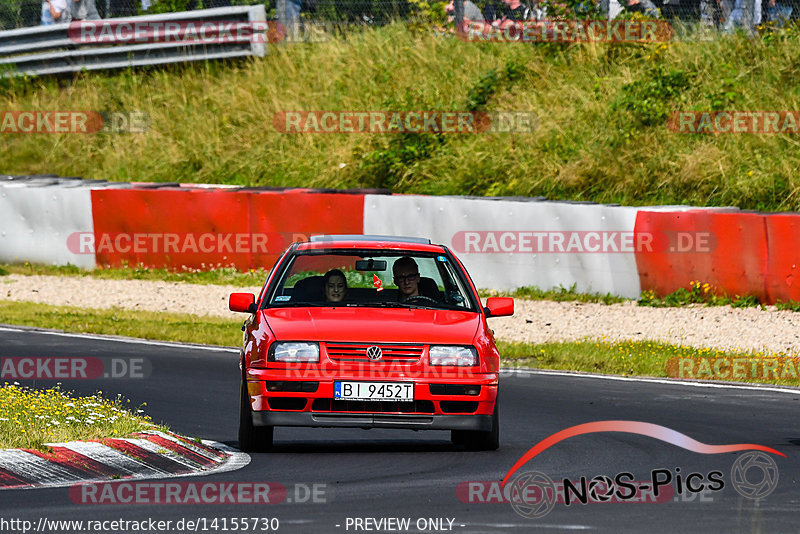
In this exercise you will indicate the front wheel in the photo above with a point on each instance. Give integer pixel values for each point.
(480, 440)
(251, 438)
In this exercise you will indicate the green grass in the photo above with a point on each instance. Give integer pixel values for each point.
(217, 276)
(601, 134)
(562, 294)
(29, 418)
(630, 358)
(704, 293)
(788, 306)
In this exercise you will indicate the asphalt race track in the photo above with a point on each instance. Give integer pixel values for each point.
(356, 480)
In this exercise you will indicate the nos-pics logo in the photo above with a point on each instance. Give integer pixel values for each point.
(533, 494)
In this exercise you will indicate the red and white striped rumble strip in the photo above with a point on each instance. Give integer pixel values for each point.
(145, 455)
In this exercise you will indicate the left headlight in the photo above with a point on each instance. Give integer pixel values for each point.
(294, 351)
(453, 355)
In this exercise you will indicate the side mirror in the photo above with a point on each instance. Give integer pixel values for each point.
(242, 302)
(499, 307)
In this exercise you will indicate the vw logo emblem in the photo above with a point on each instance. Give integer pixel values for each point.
(374, 353)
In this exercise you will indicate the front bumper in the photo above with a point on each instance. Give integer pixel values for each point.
(440, 403)
(377, 420)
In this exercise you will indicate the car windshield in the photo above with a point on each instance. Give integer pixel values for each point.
(372, 279)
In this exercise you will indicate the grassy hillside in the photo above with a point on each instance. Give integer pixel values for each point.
(601, 133)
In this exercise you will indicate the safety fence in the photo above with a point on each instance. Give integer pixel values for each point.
(719, 14)
(222, 33)
(504, 242)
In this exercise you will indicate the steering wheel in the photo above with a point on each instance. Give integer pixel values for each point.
(422, 298)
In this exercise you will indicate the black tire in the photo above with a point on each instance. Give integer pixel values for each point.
(480, 440)
(251, 438)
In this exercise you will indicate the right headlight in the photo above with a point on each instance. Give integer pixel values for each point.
(453, 355)
(294, 351)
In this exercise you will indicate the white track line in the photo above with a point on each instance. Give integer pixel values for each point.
(511, 371)
(120, 339)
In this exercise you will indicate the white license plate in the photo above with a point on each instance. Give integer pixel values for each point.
(374, 391)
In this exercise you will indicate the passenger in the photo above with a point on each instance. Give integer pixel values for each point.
(406, 277)
(334, 284)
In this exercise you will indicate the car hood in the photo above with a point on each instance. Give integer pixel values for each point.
(373, 325)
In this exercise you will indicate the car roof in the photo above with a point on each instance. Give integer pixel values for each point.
(380, 242)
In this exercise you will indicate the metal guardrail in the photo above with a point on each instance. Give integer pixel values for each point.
(58, 48)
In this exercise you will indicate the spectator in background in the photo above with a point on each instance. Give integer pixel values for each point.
(746, 14)
(84, 10)
(288, 12)
(780, 14)
(515, 11)
(645, 7)
(471, 11)
(492, 11)
(55, 12)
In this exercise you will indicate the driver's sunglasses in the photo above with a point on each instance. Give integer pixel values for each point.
(406, 278)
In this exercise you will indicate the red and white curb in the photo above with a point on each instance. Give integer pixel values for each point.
(145, 455)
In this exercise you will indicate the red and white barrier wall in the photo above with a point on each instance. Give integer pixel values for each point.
(505, 243)
(36, 222)
(749, 253)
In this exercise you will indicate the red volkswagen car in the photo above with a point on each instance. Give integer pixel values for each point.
(369, 332)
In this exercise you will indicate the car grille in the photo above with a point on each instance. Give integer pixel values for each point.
(338, 405)
(357, 352)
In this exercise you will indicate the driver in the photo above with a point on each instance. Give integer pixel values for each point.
(406, 277)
